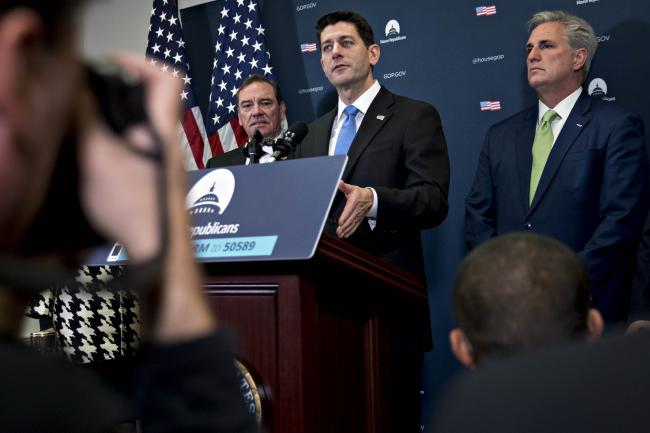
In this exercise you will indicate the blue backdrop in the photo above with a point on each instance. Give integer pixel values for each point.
(442, 52)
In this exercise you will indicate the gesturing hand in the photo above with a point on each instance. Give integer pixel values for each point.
(359, 201)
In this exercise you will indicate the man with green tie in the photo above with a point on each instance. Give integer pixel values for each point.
(571, 167)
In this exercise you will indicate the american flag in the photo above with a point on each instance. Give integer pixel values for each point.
(485, 10)
(490, 105)
(240, 51)
(306, 48)
(166, 49)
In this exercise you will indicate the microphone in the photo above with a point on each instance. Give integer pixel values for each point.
(252, 148)
(291, 138)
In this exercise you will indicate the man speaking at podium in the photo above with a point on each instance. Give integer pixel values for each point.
(397, 177)
(260, 107)
(394, 185)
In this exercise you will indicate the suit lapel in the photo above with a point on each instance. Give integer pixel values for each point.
(373, 121)
(322, 133)
(524, 138)
(576, 122)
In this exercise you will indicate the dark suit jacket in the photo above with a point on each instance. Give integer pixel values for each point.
(598, 388)
(593, 193)
(640, 303)
(401, 152)
(184, 386)
(232, 157)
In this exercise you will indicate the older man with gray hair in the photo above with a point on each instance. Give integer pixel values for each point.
(571, 167)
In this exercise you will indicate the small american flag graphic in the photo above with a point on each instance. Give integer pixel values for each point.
(307, 48)
(482, 11)
(490, 105)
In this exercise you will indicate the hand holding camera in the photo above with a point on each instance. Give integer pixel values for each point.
(119, 152)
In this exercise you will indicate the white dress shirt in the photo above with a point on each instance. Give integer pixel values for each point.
(267, 156)
(563, 109)
(362, 103)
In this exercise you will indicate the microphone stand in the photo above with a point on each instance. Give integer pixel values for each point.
(253, 157)
(253, 148)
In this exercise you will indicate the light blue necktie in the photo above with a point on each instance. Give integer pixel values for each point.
(347, 132)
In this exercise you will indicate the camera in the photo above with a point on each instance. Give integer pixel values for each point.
(61, 225)
(120, 98)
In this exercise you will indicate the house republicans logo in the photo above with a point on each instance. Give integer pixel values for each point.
(392, 29)
(392, 32)
(211, 193)
(598, 88)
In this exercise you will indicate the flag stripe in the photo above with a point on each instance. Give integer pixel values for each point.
(190, 163)
(215, 145)
(240, 134)
(227, 138)
(194, 138)
(207, 151)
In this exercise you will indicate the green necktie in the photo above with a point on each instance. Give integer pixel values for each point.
(541, 149)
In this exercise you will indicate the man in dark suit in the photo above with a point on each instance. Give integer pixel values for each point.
(397, 177)
(260, 107)
(572, 167)
(395, 183)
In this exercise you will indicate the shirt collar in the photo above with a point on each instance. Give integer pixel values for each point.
(563, 108)
(362, 102)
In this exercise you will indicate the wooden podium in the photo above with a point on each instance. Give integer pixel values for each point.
(336, 341)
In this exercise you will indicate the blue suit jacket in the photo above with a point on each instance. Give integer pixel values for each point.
(593, 193)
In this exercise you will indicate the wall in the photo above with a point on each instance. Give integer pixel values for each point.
(114, 25)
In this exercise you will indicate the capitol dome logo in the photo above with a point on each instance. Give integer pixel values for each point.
(597, 87)
(393, 33)
(212, 193)
(392, 28)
